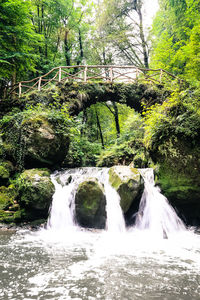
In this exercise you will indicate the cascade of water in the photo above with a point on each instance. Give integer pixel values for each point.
(115, 218)
(62, 209)
(155, 213)
(63, 205)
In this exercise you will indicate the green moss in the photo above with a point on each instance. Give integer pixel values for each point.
(36, 137)
(5, 200)
(4, 173)
(6, 216)
(90, 194)
(180, 186)
(128, 183)
(90, 204)
(11, 217)
(35, 192)
(8, 196)
(6, 168)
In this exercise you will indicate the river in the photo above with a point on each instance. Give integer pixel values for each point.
(157, 258)
(86, 265)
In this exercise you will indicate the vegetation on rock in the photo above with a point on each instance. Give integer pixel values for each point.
(172, 136)
(90, 204)
(36, 137)
(35, 193)
(128, 183)
(9, 208)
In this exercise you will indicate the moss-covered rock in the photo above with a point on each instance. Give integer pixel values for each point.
(6, 168)
(178, 176)
(9, 208)
(35, 138)
(90, 204)
(35, 193)
(5, 199)
(128, 183)
(173, 140)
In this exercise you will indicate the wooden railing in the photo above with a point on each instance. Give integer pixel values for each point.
(106, 73)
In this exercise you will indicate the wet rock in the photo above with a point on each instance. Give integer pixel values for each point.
(90, 204)
(128, 183)
(35, 193)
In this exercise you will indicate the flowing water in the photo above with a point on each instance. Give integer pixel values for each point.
(155, 259)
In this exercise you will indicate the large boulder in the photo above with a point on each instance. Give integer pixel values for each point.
(90, 204)
(178, 177)
(45, 146)
(35, 193)
(37, 139)
(128, 183)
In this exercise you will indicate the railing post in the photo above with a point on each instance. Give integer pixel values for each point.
(85, 74)
(39, 84)
(111, 74)
(137, 73)
(161, 73)
(20, 89)
(59, 75)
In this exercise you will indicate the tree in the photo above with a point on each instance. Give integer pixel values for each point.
(63, 27)
(17, 40)
(121, 25)
(115, 113)
(176, 38)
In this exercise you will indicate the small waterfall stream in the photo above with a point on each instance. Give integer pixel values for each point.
(155, 213)
(62, 209)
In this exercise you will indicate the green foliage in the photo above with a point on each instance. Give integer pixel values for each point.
(120, 33)
(9, 208)
(6, 169)
(39, 35)
(176, 39)
(82, 152)
(128, 147)
(178, 117)
(17, 39)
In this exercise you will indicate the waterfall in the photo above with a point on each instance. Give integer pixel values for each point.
(62, 212)
(115, 218)
(155, 213)
(62, 209)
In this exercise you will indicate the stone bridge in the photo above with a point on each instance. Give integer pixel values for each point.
(79, 96)
(81, 86)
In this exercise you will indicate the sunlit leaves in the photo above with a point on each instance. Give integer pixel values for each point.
(176, 43)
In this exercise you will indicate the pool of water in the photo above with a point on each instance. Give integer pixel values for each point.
(90, 265)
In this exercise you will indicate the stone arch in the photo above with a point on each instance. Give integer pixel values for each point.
(80, 96)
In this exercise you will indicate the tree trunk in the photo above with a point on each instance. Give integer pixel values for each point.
(57, 45)
(67, 48)
(80, 58)
(144, 44)
(100, 131)
(116, 114)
